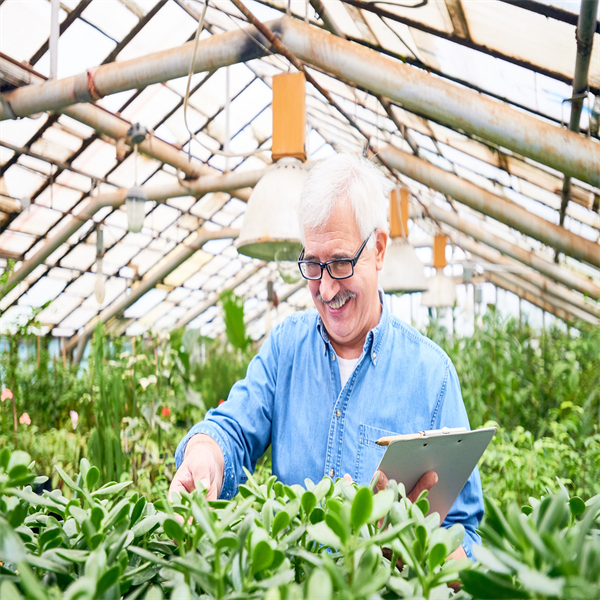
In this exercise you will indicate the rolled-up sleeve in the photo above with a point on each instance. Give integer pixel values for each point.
(242, 425)
(468, 508)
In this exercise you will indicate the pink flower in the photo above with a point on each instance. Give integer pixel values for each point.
(166, 411)
(74, 418)
(6, 395)
(25, 420)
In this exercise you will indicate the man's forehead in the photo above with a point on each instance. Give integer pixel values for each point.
(331, 243)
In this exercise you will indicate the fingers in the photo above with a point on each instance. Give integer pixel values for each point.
(382, 481)
(427, 481)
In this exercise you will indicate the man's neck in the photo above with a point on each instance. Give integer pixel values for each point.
(353, 348)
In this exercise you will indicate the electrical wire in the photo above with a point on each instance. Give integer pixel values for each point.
(187, 96)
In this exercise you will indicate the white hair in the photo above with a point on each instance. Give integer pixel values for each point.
(349, 178)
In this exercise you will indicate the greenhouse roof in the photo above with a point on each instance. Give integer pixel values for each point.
(521, 55)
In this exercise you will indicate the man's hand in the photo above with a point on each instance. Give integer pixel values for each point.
(203, 463)
(426, 482)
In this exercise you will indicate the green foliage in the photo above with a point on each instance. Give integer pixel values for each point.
(233, 315)
(105, 438)
(271, 541)
(517, 377)
(548, 549)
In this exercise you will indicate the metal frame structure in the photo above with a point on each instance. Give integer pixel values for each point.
(483, 167)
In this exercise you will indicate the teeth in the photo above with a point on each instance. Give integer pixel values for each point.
(338, 303)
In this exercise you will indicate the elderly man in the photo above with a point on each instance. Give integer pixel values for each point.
(328, 383)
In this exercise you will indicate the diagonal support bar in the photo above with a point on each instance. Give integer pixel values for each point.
(494, 206)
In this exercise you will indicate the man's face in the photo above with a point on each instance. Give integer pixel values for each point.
(349, 308)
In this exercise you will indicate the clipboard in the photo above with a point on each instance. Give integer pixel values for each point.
(452, 453)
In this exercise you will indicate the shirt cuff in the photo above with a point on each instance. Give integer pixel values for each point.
(468, 541)
(229, 486)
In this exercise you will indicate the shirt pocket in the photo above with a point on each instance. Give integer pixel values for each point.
(369, 454)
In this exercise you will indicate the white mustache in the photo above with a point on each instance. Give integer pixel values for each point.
(340, 297)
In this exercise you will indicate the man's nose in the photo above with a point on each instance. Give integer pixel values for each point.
(329, 287)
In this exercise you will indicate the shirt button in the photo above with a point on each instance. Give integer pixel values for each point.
(374, 355)
(331, 472)
(338, 413)
(333, 357)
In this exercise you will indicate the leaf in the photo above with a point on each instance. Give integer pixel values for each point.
(33, 588)
(540, 583)
(309, 502)
(107, 580)
(335, 524)
(362, 507)
(577, 506)
(437, 556)
(228, 541)
(9, 591)
(382, 502)
(280, 522)
(363, 588)
(174, 530)
(262, 557)
(182, 592)
(488, 586)
(322, 534)
(67, 479)
(114, 488)
(489, 559)
(154, 593)
(18, 458)
(149, 556)
(92, 477)
(138, 509)
(144, 526)
(319, 586)
(11, 545)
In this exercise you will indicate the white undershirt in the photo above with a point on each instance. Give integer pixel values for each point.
(347, 366)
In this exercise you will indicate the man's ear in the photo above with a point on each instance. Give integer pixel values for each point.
(380, 247)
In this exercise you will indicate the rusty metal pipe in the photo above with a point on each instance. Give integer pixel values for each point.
(557, 273)
(191, 314)
(533, 297)
(539, 281)
(494, 206)
(224, 183)
(106, 123)
(504, 279)
(154, 276)
(433, 97)
(214, 52)
(586, 24)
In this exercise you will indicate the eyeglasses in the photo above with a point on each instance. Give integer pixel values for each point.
(341, 268)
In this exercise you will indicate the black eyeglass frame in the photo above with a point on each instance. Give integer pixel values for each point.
(326, 265)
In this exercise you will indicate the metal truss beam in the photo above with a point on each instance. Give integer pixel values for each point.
(154, 276)
(160, 193)
(494, 206)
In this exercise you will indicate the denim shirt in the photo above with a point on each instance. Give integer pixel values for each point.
(292, 399)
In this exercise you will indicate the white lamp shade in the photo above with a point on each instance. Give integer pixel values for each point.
(100, 287)
(135, 202)
(402, 270)
(271, 219)
(442, 292)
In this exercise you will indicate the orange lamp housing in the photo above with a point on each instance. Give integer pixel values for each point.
(439, 251)
(399, 212)
(289, 116)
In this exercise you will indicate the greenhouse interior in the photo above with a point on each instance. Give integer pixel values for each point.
(210, 388)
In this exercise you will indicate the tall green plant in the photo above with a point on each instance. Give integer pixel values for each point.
(107, 398)
(233, 315)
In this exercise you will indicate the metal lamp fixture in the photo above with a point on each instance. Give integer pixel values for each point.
(442, 291)
(100, 287)
(136, 198)
(270, 230)
(402, 270)
(135, 202)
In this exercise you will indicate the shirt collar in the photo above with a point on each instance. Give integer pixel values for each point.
(375, 337)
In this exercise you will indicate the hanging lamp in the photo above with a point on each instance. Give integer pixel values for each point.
(442, 291)
(402, 270)
(100, 287)
(136, 197)
(270, 230)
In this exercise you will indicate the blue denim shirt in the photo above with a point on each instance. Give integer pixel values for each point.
(292, 399)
